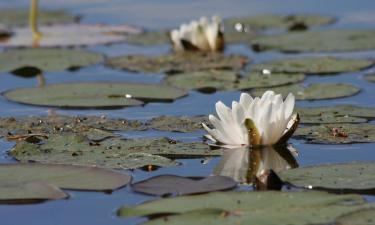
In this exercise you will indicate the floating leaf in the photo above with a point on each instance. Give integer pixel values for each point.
(70, 35)
(47, 59)
(149, 38)
(177, 185)
(63, 176)
(370, 77)
(94, 95)
(314, 91)
(242, 208)
(77, 149)
(175, 63)
(360, 217)
(318, 41)
(19, 17)
(350, 177)
(177, 124)
(213, 80)
(314, 65)
(337, 133)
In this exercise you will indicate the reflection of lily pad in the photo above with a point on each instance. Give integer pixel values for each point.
(337, 133)
(70, 35)
(149, 38)
(177, 62)
(370, 77)
(277, 21)
(176, 185)
(341, 177)
(228, 80)
(19, 17)
(94, 95)
(249, 208)
(314, 91)
(360, 217)
(47, 59)
(110, 153)
(314, 65)
(318, 41)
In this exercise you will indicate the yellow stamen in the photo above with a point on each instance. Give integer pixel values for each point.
(33, 20)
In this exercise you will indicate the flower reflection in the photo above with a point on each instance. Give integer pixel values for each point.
(251, 166)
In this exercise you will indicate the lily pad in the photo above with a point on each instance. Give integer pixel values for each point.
(20, 17)
(213, 80)
(318, 41)
(77, 149)
(370, 77)
(70, 35)
(149, 38)
(174, 63)
(64, 176)
(94, 95)
(177, 124)
(348, 177)
(47, 59)
(314, 65)
(177, 185)
(360, 217)
(337, 133)
(242, 208)
(314, 91)
(277, 21)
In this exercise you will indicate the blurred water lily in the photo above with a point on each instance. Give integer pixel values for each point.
(202, 35)
(254, 122)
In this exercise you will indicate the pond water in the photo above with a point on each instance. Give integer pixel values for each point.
(98, 208)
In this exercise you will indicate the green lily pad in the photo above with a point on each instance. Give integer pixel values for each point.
(174, 63)
(318, 41)
(350, 177)
(20, 17)
(77, 149)
(370, 77)
(70, 35)
(47, 59)
(64, 176)
(213, 80)
(337, 133)
(29, 192)
(94, 95)
(177, 124)
(177, 185)
(242, 208)
(360, 217)
(149, 38)
(314, 91)
(315, 65)
(277, 21)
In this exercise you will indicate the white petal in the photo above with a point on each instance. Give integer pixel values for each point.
(289, 105)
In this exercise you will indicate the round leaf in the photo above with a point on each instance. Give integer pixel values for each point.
(370, 77)
(314, 65)
(94, 95)
(314, 91)
(149, 38)
(360, 217)
(351, 177)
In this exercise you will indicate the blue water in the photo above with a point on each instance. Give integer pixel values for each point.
(99, 208)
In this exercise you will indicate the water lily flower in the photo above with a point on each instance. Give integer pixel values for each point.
(202, 35)
(253, 122)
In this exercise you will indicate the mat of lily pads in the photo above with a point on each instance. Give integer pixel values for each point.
(70, 35)
(206, 81)
(353, 177)
(149, 38)
(318, 41)
(314, 65)
(363, 217)
(248, 208)
(174, 63)
(314, 91)
(47, 59)
(164, 185)
(94, 95)
(32, 182)
(78, 149)
(337, 133)
(370, 77)
(20, 17)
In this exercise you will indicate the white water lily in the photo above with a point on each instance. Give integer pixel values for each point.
(270, 118)
(202, 35)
